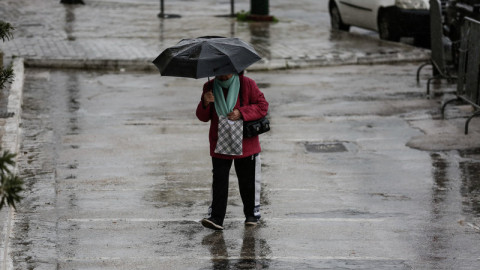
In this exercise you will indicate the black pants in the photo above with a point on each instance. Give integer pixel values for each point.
(249, 182)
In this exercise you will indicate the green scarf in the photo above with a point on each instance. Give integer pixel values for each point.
(221, 106)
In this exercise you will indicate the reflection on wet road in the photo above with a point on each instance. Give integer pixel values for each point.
(254, 253)
(118, 176)
(455, 199)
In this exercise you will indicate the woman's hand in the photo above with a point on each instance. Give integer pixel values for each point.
(234, 115)
(208, 98)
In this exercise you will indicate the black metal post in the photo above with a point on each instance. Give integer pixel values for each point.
(162, 8)
(259, 7)
(232, 8)
(259, 11)
(162, 12)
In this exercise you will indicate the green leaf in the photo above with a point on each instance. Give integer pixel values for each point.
(10, 188)
(6, 75)
(6, 160)
(10, 185)
(6, 30)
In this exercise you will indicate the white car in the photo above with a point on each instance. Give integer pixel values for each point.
(392, 19)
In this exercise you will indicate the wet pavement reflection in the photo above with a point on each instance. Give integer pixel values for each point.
(254, 251)
(466, 165)
(260, 38)
(455, 200)
(470, 189)
(70, 21)
(118, 176)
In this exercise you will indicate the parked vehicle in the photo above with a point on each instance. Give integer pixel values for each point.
(392, 19)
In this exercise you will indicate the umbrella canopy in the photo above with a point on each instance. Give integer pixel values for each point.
(206, 57)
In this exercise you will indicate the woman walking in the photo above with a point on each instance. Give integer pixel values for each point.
(226, 102)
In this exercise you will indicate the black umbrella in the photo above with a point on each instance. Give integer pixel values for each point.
(206, 57)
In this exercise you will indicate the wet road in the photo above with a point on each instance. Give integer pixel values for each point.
(118, 176)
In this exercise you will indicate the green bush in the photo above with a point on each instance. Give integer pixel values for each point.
(10, 184)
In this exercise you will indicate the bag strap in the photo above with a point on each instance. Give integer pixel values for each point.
(240, 94)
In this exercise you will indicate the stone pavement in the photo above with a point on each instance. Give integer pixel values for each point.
(127, 34)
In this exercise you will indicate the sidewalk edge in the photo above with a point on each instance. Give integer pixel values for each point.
(265, 65)
(11, 142)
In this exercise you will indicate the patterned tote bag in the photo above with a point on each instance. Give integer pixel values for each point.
(230, 137)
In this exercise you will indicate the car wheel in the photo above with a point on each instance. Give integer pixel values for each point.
(386, 29)
(336, 19)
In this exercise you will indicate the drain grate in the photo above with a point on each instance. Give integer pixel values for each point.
(6, 114)
(329, 147)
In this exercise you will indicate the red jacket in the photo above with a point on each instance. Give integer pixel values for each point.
(254, 106)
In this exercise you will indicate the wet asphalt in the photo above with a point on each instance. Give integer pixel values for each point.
(360, 169)
(118, 176)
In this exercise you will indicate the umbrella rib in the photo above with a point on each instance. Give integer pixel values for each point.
(245, 46)
(225, 53)
(183, 50)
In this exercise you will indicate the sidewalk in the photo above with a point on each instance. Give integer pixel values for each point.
(128, 35)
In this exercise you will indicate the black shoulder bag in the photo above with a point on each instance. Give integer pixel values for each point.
(255, 127)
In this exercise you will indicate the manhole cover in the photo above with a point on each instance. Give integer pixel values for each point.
(330, 147)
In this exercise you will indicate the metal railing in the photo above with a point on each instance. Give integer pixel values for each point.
(468, 82)
(440, 45)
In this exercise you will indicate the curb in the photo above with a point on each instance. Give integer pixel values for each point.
(92, 64)
(146, 65)
(282, 64)
(11, 142)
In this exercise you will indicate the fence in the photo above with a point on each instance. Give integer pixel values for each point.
(441, 47)
(468, 88)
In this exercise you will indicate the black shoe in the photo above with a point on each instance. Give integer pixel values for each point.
(251, 221)
(211, 223)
